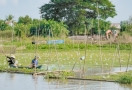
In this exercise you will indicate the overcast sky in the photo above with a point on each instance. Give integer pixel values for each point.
(19, 8)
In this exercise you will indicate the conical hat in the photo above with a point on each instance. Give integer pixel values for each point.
(12, 56)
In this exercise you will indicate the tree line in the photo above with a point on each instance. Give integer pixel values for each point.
(65, 17)
(26, 27)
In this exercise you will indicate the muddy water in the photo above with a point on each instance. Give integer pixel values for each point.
(11, 81)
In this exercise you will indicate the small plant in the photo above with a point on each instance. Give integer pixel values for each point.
(125, 79)
(65, 74)
(61, 75)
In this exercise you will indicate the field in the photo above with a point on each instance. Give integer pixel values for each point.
(105, 54)
(93, 58)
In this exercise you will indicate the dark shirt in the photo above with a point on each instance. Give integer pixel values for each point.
(11, 60)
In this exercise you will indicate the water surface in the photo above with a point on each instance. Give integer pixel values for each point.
(12, 81)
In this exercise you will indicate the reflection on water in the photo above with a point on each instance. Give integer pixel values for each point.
(11, 81)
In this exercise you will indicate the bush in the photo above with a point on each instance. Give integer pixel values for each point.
(125, 79)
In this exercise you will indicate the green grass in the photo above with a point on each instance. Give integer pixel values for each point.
(93, 57)
(120, 77)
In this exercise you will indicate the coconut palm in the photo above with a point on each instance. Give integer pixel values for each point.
(9, 19)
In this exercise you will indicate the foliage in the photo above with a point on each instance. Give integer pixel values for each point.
(76, 13)
(9, 20)
(126, 26)
(80, 46)
(26, 27)
(103, 26)
(9, 17)
(22, 30)
(60, 74)
(25, 20)
(3, 25)
(125, 78)
(49, 28)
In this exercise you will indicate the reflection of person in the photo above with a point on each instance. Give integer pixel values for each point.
(11, 60)
(34, 62)
(12, 76)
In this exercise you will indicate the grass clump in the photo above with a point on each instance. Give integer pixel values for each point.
(59, 74)
(125, 79)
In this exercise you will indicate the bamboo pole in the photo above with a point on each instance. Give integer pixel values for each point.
(99, 41)
(84, 61)
(56, 50)
(113, 60)
(118, 51)
(129, 58)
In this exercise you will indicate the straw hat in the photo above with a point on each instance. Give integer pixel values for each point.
(13, 56)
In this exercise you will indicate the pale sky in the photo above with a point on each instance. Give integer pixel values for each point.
(19, 8)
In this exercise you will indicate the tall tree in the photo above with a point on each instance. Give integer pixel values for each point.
(76, 13)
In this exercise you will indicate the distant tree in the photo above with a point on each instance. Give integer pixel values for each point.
(22, 30)
(103, 26)
(9, 20)
(3, 25)
(123, 25)
(9, 17)
(35, 21)
(25, 20)
(48, 27)
(126, 26)
(129, 26)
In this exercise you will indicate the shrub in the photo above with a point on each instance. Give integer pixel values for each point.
(125, 79)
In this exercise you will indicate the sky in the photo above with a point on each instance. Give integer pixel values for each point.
(19, 8)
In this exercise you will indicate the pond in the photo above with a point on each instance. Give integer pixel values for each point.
(13, 81)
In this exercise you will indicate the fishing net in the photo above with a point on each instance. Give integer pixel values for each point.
(10, 49)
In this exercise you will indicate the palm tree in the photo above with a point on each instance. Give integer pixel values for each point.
(9, 19)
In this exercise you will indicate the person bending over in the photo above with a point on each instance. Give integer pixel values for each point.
(11, 60)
